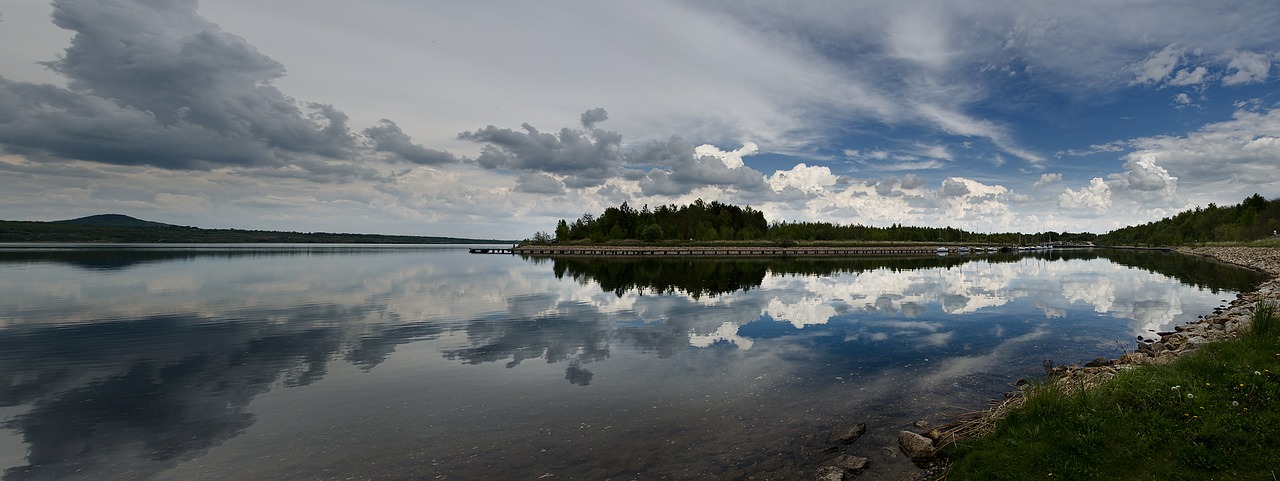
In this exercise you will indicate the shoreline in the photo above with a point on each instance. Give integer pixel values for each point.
(1222, 324)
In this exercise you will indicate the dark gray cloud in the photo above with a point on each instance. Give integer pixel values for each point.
(587, 157)
(154, 83)
(592, 117)
(387, 137)
(678, 170)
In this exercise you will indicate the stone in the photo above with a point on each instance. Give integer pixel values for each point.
(940, 437)
(853, 464)
(921, 424)
(851, 434)
(1099, 362)
(889, 453)
(915, 446)
(829, 473)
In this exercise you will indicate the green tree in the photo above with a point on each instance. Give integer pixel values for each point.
(651, 233)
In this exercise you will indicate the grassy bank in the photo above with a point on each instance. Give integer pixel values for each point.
(1212, 414)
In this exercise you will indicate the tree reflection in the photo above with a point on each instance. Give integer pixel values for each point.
(698, 277)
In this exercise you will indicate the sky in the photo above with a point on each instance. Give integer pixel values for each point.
(496, 119)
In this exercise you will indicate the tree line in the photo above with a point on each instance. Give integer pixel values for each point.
(697, 221)
(715, 221)
(1254, 218)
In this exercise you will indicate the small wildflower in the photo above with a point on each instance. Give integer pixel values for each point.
(1256, 373)
(1235, 403)
(1191, 396)
(1175, 388)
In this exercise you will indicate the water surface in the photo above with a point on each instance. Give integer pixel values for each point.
(412, 362)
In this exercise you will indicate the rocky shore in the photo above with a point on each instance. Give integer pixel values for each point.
(1225, 322)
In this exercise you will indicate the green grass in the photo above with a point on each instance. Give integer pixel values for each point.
(1213, 414)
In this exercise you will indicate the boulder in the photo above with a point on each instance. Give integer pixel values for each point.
(915, 446)
(852, 464)
(849, 435)
(829, 473)
(1099, 362)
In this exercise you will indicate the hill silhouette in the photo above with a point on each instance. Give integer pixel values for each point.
(119, 228)
(114, 220)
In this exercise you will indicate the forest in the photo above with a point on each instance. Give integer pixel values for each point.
(714, 221)
(1253, 219)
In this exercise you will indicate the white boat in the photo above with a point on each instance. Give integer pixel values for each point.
(942, 250)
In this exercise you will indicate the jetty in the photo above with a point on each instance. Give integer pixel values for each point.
(705, 251)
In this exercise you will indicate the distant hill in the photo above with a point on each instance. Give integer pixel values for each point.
(120, 228)
(113, 220)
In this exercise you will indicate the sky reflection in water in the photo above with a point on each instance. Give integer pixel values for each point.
(306, 362)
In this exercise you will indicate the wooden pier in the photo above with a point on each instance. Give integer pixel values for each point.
(492, 250)
(655, 251)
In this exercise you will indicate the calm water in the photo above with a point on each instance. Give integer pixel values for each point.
(345, 362)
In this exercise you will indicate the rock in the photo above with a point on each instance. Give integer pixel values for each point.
(831, 450)
(914, 445)
(889, 453)
(941, 438)
(851, 434)
(829, 473)
(1099, 362)
(853, 464)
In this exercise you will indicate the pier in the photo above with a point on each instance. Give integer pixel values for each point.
(636, 251)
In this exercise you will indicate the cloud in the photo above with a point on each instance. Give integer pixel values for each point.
(954, 188)
(1142, 173)
(960, 124)
(155, 83)
(536, 183)
(592, 117)
(1247, 68)
(1236, 155)
(388, 137)
(912, 181)
(1095, 198)
(680, 169)
(1046, 179)
(804, 178)
(587, 157)
(1189, 76)
(1157, 66)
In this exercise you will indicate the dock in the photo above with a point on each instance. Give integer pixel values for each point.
(656, 251)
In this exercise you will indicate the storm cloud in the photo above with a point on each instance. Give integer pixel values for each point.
(387, 137)
(154, 83)
(587, 157)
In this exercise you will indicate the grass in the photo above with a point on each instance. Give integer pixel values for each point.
(1212, 414)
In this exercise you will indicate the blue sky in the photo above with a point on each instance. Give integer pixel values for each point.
(495, 119)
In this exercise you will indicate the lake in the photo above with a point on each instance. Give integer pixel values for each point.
(192, 362)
